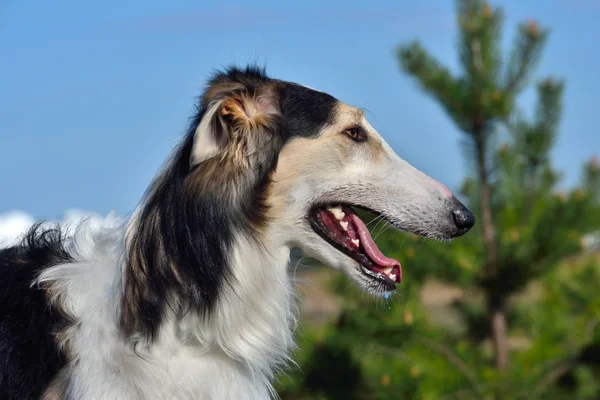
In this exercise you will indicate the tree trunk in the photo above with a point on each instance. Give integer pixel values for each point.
(489, 232)
(496, 306)
(499, 337)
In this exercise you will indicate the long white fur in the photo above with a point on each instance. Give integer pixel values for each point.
(232, 355)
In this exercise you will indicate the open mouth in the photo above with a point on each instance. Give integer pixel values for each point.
(343, 229)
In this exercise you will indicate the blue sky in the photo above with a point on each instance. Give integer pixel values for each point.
(94, 96)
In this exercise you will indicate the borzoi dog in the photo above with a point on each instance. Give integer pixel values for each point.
(190, 298)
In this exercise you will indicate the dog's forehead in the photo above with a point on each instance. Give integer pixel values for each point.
(307, 110)
(350, 114)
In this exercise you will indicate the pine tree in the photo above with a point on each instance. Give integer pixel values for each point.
(522, 232)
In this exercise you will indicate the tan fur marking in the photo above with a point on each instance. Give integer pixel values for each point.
(233, 108)
(249, 120)
(248, 113)
(330, 148)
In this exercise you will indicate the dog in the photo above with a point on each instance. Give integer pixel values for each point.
(190, 297)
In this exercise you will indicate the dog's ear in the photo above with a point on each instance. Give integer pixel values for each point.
(230, 117)
(210, 137)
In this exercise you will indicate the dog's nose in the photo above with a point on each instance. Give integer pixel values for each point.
(463, 219)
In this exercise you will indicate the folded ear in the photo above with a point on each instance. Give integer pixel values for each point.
(210, 137)
(228, 119)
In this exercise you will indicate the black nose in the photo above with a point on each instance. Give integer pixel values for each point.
(463, 219)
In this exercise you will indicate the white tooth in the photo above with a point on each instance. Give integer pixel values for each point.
(388, 270)
(337, 212)
(393, 277)
(344, 225)
(356, 242)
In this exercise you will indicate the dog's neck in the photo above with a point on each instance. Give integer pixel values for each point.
(250, 331)
(255, 314)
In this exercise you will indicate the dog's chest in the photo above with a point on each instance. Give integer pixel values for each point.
(191, 374)
(183, 375)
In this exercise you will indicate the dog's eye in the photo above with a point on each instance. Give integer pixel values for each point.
(356, 133)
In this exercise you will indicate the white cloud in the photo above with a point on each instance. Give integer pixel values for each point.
(14, 223)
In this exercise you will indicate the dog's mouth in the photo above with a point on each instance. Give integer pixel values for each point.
(343, 229)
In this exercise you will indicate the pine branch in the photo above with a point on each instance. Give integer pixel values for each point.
(549, 108)
(453, 359)
(555, 374)
(532, 141)
(442, 351)
(591, 178)
(433, 78)
(526, 52)
(480, 38)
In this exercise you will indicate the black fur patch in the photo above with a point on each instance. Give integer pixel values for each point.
(28, 352)
(305, 110)
(179, 246)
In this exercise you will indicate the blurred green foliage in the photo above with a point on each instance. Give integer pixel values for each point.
(376, 350)
(546, 287)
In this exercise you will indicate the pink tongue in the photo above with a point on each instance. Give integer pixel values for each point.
(369, 244)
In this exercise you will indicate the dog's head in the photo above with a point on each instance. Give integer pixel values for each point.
(297, 163)
(286, 166)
